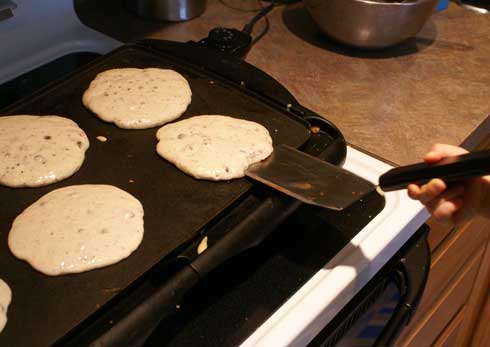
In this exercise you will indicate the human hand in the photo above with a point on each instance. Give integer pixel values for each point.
(458, 203)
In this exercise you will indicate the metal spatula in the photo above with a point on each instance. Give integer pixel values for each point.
(317, 182)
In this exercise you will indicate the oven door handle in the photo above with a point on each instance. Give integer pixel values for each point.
(410, 275)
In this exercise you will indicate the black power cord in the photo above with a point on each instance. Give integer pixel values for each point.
(263, 12)
(263, 32)
(236, 42)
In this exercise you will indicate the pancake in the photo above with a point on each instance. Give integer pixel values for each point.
(5, 298)
(77, 228)
(214, 147)
(39, 150)
(138, 98)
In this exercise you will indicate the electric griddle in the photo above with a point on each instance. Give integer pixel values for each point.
(179, 210)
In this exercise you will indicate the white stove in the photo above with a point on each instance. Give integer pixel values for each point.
(33, 35)
(311, 308)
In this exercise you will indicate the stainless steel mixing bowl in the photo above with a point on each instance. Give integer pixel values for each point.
(370, 24)
(168, 10)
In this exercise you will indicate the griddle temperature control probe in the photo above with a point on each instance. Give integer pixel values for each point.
(237, 42)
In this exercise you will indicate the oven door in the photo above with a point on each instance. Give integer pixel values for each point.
(380, 311)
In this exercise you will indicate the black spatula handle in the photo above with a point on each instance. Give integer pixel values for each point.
(449, 169)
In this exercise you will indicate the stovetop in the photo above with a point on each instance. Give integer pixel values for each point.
(36, 35)
(44, 44)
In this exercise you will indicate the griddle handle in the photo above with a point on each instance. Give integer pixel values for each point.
(134, 328)
(450, 169)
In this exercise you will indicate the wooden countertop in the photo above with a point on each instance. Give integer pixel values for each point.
(393, 103)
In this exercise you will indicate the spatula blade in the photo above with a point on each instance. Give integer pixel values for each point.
(309, 179)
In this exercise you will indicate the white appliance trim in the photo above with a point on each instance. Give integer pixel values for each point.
(319, 300)
(40, 33)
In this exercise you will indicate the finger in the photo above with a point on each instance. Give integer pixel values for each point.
(431, 190)
(455, 192)
(439, 151)
(444, 206)
(413, 191)
(446, 210)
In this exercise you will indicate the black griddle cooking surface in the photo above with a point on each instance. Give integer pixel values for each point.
(259, 281)
(176, 206)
